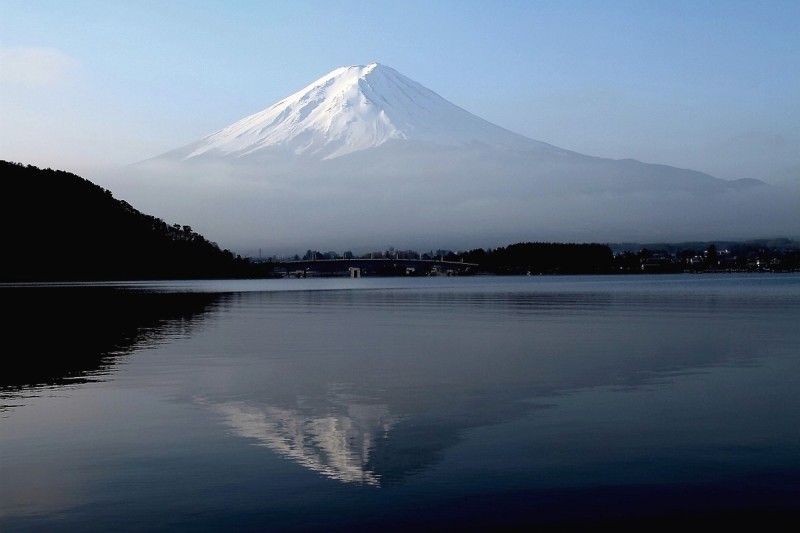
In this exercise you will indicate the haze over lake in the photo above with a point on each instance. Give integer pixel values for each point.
(391, 403)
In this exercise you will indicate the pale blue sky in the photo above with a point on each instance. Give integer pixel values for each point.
(708, 85)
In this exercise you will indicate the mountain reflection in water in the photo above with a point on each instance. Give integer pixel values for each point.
(337, 445)
(466, 402)
(389, 380)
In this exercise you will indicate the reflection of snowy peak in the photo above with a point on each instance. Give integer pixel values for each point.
(336, 445)
(356, 108)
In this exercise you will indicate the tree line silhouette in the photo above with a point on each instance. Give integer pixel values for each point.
(542, 258)
(58, 226)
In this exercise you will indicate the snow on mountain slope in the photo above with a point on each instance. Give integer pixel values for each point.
(356, 108)
(389, 126)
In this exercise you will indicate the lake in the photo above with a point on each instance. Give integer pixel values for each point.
(401, 403)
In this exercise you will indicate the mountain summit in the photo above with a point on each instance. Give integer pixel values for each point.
(352, 109)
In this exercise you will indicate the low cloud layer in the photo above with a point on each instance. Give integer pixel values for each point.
(284, 211)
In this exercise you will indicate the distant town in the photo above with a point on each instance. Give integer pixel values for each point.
(775, 255)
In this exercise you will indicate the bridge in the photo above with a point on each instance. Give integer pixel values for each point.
(373, 267)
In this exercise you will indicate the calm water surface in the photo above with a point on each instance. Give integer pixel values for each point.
(375, 404)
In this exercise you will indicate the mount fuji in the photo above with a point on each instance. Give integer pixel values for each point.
(372, 118)
(366, 156)
(353, 109)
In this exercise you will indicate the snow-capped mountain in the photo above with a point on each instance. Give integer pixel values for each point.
(367, 155)
(371, 120)
(356, 108)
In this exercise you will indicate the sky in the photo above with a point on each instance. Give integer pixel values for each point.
(708, 85)
(90, 86)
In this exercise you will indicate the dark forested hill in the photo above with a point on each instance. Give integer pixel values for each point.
(59, 226)
(543, 258)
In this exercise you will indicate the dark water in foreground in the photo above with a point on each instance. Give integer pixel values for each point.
(375, 404)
